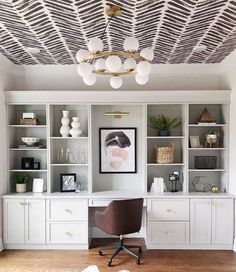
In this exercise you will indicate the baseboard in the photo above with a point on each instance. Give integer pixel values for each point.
(1, 245)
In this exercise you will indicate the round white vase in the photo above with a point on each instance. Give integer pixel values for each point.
(21, 188)
(65, 128)
(76, 130)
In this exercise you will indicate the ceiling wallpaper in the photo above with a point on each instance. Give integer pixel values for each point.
(172, 27)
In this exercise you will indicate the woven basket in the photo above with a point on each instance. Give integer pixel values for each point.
(165, 155)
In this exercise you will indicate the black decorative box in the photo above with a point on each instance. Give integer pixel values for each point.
(205, 162)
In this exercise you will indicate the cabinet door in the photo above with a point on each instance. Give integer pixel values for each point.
(222, 221)
(14, 221)
(200, 221)
(35, 221)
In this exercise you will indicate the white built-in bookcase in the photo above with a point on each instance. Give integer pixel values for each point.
(92, 118)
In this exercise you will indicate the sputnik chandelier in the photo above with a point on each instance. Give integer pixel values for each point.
(95, 61)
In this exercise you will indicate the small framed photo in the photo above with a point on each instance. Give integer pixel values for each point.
(38, 184)
(194, 141)
(68, 182)
(117, 150)
(27, 163)
(36, 165)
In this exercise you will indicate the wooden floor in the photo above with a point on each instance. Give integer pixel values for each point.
(152, 260)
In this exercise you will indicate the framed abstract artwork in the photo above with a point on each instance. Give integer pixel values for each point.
(117, 150)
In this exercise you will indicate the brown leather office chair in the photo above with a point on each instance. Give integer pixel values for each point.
(119, 218)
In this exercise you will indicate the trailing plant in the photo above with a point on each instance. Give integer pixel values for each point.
(161, 122)
(21, 178)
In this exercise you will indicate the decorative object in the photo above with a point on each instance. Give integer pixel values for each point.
(116, 114)
(65, 128)
(108, 63)
(158, 185)
(38, 184)
(36, 165)
(30, 141)
(194, 141)
(163, 124)
(68, 182)
(29, 115)
(76, 130)
(211, 138)
(165, 155)
(27, 163)
(29, 122)
(215, 189)
(21, 182)
(117, 150)
(206, 117)
(78, 187)
(201, 184)
(205, 162)
(173, 179)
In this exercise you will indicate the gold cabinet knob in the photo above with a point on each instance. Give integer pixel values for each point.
(168, 210)
(68, 233)
(68, 210)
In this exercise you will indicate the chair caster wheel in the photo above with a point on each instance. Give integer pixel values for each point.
(100, 253)
(140, 251)
(138, 261)
(109, 263)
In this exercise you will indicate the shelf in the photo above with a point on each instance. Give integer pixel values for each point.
(69, 164)
(69, 138)
(165, 137)
(27, 149)
(208, 125)
(28, 170)
(207, 170)
(207, 149)
(27, 126)
(164, 164)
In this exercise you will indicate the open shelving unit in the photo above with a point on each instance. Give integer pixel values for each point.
(92, 117)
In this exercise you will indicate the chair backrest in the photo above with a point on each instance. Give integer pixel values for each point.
(124, 216)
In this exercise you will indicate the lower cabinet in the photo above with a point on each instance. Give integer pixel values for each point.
(24, 221)
(212, 221)
(67, 222)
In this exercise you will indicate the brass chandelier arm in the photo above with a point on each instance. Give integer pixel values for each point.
(126, 73)
(124, 54)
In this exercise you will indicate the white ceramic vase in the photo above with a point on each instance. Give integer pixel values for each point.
(65, 128)
(21, 188)
(76, 130)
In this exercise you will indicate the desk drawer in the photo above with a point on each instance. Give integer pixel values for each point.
(168, 232)
(105, 202)
(174, 209)
(67, 233)
(67, 209)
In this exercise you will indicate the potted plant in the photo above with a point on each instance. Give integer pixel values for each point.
(21, 182)
(163, 124)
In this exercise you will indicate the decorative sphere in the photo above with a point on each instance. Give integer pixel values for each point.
(84, 69)
(100, 65)
(90, 80)
(130, 64)
(144, 68)
(131, 44)
(81, 55)
(116, 82)
(141, 80)
(147, 53)
(95, 45)
(113, 63)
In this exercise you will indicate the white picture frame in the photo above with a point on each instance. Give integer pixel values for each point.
(194, 142)
(38, 184)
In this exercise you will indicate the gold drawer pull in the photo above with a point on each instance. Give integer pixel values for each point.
(68, 211)
(23, 203)
(168, 232)
(168, 210)
(68, 233)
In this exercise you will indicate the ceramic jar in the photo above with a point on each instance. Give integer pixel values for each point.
(76, 130)
(65, 128)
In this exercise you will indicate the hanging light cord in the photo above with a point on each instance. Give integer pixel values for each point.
(106, 26)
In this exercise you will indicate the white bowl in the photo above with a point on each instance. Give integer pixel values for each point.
(30, 140)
